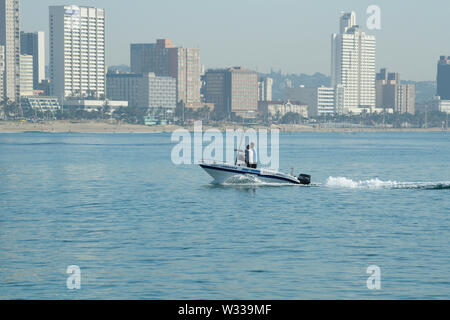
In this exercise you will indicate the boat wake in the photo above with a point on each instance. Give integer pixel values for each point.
(339, 182)
(342, 182)
(249, 180)
(254, 181)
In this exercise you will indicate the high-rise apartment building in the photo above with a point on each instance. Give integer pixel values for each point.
(26, 75)
(353, 65)
(34, 44)
(265, 89)
(10, 40)
(347, 21)
(233, 90)
(391, 94)
(443, 78)
(406, 99)
(243, 92)
(386, 90)
(164, 59)
(185, 67)
(77, 52)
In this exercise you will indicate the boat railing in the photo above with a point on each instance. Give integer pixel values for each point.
(206, 161)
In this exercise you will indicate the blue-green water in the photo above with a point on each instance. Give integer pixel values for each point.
(140, 227)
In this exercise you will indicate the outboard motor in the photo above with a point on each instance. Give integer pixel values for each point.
(304, 179)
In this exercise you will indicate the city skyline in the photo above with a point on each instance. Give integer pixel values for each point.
(77, 61)
(271, 37)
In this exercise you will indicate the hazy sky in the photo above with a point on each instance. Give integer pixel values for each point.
(290, 35)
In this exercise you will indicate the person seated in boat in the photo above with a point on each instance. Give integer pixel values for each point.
(253, 157)
(247, 156)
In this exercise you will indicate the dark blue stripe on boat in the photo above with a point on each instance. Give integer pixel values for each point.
(249, 171)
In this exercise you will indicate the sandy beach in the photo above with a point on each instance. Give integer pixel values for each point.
(80, 126)
(104, 127)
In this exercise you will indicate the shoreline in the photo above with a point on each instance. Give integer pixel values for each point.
(64, 126)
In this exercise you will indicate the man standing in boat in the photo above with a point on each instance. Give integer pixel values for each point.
(247, 156)
(253, 157)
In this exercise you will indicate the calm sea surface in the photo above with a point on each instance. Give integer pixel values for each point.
(140, 227)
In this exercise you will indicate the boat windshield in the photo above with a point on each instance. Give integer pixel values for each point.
(240, 158)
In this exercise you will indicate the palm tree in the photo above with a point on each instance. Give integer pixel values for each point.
(11, 109)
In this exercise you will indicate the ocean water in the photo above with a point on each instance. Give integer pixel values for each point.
(140, 227)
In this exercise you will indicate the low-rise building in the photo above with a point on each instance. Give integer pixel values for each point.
(142, 90)
(94, 105)
(277, 109)
(41, 103)
(124, 87)
(441, 105)
(320, 100)
(200, 105)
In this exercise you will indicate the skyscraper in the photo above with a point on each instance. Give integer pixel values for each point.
(77, 52)
(443, 78)
(34, 44)
(347, 21)
(165, 59)
(10, 40)
(353, 65)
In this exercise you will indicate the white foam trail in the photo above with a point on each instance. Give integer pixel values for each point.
(342, 182)
(248, 180)
(349, 183)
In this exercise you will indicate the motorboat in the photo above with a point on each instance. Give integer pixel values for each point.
(223, 172)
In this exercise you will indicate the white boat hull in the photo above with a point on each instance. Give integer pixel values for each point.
(223, 173)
